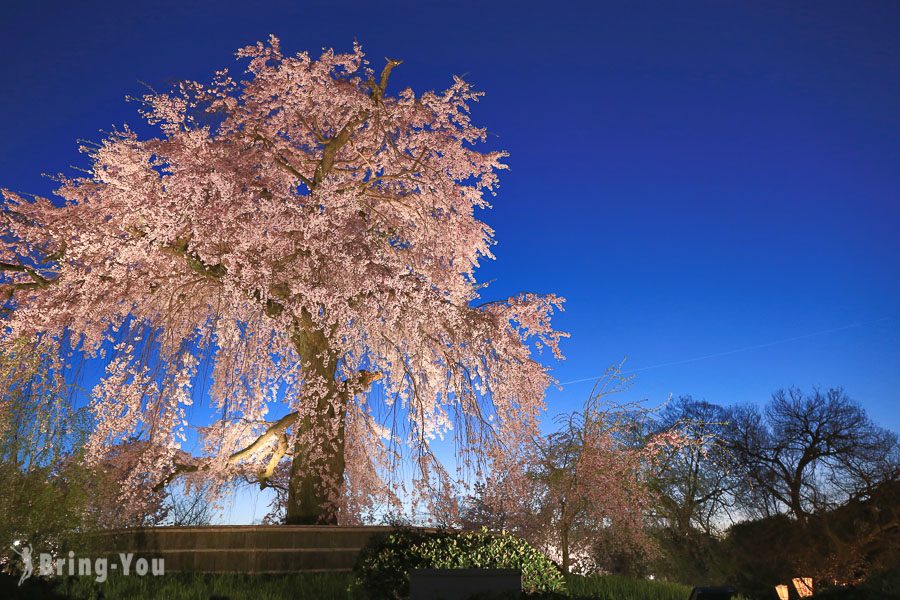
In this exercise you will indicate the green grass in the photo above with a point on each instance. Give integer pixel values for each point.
(301, 586)
(616, 587)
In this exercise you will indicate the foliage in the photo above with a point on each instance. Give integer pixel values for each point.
(814, 480)
(53, 507)
(612, 555)
(39, 427)
(48, 498)
(41, 508)
(383, 566)
(581, 493)
(758, 554)
(854, 593)
(855, 544)
(886, 581)
(690, 557)
(42, 496)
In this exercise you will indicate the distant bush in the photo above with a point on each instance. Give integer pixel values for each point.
(854, 593)
(886, 581)
(383, 566)
(882, 585)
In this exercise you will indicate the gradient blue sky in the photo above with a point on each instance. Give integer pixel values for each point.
(702, 180)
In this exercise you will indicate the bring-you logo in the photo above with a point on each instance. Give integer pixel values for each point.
(50, 565)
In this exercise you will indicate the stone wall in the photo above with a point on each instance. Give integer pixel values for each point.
(244, 548)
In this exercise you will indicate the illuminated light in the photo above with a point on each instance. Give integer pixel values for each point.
(783, 592)
(804, 586)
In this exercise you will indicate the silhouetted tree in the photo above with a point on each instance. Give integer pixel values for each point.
(190, 508)
(808, 452)
(694, 484)
(694, 481)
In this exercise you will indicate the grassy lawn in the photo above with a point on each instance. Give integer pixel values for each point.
(302, 586)
(616, 587)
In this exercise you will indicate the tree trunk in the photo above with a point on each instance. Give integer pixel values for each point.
(797, 503)
(564, 538)
(317, 467)
(315, 481)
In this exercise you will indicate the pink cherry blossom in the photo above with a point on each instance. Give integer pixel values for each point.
(306, 234)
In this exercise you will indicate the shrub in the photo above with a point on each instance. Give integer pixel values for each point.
(383, 566)
(886, 581)
(882, 585)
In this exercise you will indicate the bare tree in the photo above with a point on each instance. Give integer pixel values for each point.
(805, 453)
(695, 480)
(191, 507)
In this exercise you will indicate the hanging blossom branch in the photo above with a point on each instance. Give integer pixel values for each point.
(306, 234)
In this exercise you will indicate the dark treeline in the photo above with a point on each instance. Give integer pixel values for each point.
(806, 486)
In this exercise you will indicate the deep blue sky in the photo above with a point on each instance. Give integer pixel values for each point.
(695, 177)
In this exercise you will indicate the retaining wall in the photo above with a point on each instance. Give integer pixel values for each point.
(245, 548)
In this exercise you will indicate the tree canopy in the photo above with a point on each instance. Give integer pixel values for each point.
(302, 234)
(808, 452)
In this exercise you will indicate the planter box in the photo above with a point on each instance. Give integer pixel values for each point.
(711, 593)
(462, 584)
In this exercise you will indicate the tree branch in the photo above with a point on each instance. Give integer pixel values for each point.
(378, 90)
(276, 429)
(38, 279)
